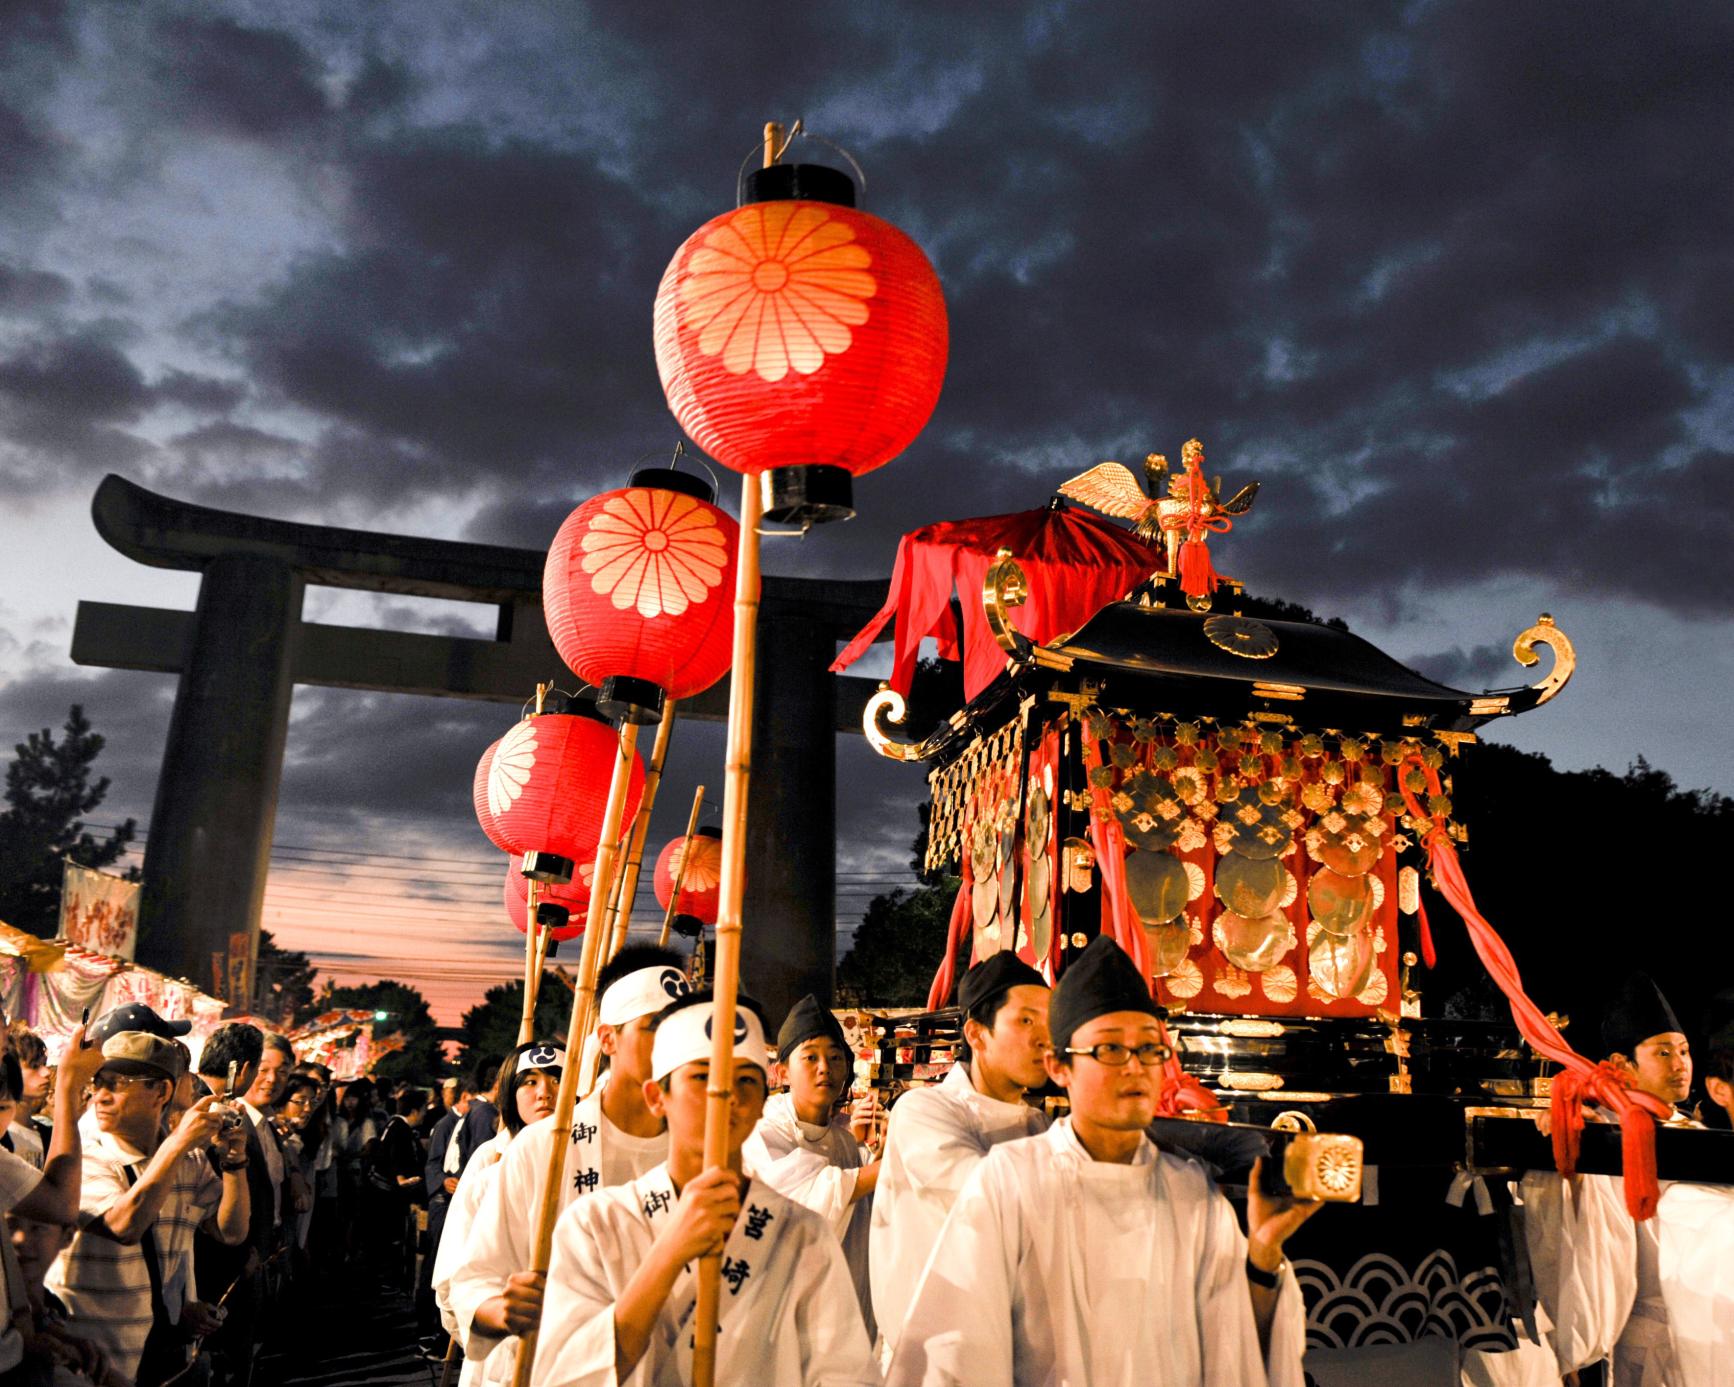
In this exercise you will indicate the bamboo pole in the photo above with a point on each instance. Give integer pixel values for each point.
(532, 945)
(628, 891)
(727, 967)
(548, 1205)
(532, 964)
(680, 867)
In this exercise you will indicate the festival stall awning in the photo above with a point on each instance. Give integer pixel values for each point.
(51, 984)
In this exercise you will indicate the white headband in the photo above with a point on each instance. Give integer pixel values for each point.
(641, 993)
(685, 1037)
(543, 1056)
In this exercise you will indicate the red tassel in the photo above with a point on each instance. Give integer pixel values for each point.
(1427, 955)
(1197, 576)
(1638, 1156)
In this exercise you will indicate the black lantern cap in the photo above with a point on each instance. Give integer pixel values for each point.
(667, 479)
(803, 182)
(547, 867)
(629, 700)
(808, 494)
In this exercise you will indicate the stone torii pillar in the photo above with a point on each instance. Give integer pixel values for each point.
(242, 651)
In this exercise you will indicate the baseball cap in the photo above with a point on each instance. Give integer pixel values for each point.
(140, 1052)
(134, 1016)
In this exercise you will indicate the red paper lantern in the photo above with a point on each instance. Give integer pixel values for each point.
(637, 592)
(700, 882)
(570, 901)
(548, 784)
(800, 336)
(479, 795)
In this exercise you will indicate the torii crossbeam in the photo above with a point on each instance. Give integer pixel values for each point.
(240, 653)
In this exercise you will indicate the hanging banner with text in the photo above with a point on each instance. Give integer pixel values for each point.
(99, 911)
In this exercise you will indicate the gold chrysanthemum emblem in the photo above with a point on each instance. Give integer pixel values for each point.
(777, 288)
(657, 551)
(510, 770)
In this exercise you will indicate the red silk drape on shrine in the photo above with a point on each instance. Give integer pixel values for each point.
(1075, 562)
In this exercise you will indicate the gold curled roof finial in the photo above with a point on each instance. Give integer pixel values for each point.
(1544, 632)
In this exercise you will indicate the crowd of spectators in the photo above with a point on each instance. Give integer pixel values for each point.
(168, 1220)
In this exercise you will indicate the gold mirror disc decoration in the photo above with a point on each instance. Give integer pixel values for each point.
(1338, 968)
(1340, 905)
(1168, 945)
(1157, 884)
(1251, 885)
(1038, 871)
(1254, 944)
(1242, 636)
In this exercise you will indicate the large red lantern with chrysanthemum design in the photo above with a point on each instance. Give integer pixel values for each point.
(547, 786)
(636, 592)
(700, 879)
(801, 338)
(479, 795)
(559, 907)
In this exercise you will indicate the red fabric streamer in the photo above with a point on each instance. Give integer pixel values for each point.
(946, 976)
(1120, 921)
(1580, 1080)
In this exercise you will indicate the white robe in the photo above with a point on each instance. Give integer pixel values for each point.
(473, 1186)
(1055, 1268)
(1597, 1275)
(787, 1317)
(817, 1168)
(1695, 1232)
(936, 1138)
(502, 1235)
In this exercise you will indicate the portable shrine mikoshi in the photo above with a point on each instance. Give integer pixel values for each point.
(1249, 803)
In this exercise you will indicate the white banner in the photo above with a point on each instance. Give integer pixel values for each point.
(99, 912)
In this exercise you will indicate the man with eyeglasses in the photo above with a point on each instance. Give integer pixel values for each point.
(1085, 1255)
(125, 1277)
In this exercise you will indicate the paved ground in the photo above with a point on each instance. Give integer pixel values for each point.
(360, 1333)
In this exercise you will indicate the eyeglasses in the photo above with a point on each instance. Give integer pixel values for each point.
(104, 1082)
(1113, 1054)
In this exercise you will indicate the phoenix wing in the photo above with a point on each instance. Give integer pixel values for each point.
(1110, 488)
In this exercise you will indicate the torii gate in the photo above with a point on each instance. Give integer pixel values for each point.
(240, 653)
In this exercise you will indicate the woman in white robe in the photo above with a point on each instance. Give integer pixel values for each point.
(529, 1078)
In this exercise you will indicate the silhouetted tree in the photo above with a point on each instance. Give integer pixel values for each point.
(49, 790)
(491, 1027)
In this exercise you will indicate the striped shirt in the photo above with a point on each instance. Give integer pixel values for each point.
(105, 1284)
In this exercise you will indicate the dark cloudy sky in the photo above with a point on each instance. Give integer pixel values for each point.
(1452, 280)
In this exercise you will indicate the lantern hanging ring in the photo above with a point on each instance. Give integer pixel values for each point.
(543, 693)
(755, 158)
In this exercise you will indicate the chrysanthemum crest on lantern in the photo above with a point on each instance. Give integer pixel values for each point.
(657, 551)
(510, 771)
(776, 288)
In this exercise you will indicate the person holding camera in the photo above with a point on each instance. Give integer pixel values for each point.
(124, 1278)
